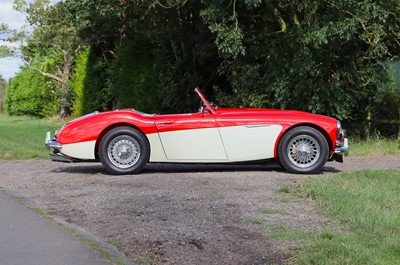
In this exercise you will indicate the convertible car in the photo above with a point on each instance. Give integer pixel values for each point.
(125, 140)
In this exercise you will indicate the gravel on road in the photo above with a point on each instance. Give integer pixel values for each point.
(178, 214)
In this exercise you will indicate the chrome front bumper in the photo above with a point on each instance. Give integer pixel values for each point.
(56, 146)
(344, 149)
(49, 143)
(340, 151)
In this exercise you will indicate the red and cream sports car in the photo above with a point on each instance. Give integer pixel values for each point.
(125, 140)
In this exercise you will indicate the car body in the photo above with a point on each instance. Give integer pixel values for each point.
(125, 140)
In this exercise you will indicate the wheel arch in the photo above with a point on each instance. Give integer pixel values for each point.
(113, 126)
(304, 124)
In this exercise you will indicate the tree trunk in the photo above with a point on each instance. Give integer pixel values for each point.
(65, 110)
(367, 123)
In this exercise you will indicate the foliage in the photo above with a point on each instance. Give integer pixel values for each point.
(325, 56)
(6, 34)
(2, 92)
(89, 83)
(317, 56)
(177, 42)
(2, 85)
(133, 78)
(53, 33)
(77, 82)
(29, 93)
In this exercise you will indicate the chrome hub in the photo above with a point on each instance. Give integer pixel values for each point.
(303, 151)
(124, 151)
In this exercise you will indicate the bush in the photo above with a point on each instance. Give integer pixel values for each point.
(30, 93)
(133, 79)
(89, 83)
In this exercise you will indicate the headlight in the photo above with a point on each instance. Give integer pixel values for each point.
(58, 131)
(339, 125)
(339, 133)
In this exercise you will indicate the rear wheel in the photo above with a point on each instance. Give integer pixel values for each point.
(303, 150)
(124, 150)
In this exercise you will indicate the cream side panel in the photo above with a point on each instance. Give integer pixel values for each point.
(84, 150)
(200, 145)
(246, 143)
(157, 153)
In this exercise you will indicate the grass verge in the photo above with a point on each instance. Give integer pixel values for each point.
(374, 146)
(23, 137)
(365, 205)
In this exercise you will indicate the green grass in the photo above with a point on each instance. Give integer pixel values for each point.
(286, 233)
(23, 137)
(374, 146)
(365, 206)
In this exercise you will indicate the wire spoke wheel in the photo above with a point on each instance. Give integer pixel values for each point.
(123, 151)
(303, 151)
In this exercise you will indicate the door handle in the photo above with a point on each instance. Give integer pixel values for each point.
(164, 122)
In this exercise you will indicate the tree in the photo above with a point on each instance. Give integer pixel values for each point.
(7, 35)
(2, 92)
(89, 81)
(54, 41)
(133, 78)
(183, 53)
(319, 56)
(30, 93)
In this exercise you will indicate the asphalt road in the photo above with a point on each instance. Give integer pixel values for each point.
(27, 239)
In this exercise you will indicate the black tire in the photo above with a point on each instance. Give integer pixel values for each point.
(124, 150)
(313, 153)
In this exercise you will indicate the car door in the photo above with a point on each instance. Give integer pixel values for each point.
(247, 136)
(190, 137)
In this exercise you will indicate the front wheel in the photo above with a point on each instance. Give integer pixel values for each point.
(303, 150)
(124, 150)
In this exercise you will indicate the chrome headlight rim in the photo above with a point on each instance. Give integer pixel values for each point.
(339, 133)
